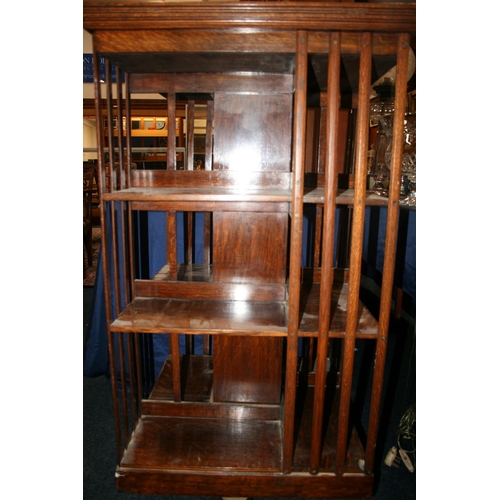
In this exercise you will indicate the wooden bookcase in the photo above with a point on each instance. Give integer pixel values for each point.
(254, 397)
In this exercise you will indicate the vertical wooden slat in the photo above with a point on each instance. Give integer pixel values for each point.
(109, 109)
(181, 142)
(104, 251)
(118, 239)
(121, 184)
(133, 342)
(207, 237)
(138, 370)
(390, 248)
(128, 130)
(172, 242)
(362, 127)
(190, 135)
(317, 235)
(128, 121)
(188, 235)
(176, 366)
(119, 129)
(125, 223)
(207, 216)
(112, 187)
(299, 139)
(209, 135)
(327, 248)
(171, 165)
(206, 344)
(171, 153)
(124, 387)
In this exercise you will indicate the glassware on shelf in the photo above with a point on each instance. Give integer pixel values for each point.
(409, 163)
(382, 112)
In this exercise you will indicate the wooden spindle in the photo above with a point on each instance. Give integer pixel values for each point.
(298, 160)
(327, 247)
(356, 248)
(390, 248)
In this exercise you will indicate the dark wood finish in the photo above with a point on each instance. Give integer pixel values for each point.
(222, 448)
(240, 484)
(309, 322)
(238, 289)
(297, 210)
(390, 249)
(256, 132)
(315, 16)
(201, 82)
(247, 181)
(161, 315)
(252, 245)
(155, 408)
(355, 250)
(247, 370)
(287, 89)
(328, 237)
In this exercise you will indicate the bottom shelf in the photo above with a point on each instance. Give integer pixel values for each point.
(183, 449)
(243, 484)
(211, 444)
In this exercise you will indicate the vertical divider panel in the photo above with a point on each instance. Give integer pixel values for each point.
(390, 247)
(333, 107)
(298, 160)
(362, 129)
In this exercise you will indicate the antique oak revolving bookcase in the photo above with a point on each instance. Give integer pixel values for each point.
(232, 359)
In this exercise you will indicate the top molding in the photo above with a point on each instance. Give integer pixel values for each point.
(316, 16)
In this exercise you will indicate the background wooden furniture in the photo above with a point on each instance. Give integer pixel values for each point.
(88, 194)
(264, 408)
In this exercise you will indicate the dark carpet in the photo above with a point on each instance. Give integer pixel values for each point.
(99, 451)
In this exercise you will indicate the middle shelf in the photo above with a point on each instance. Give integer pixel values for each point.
(197, 305)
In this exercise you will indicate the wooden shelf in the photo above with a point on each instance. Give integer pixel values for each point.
(241, 441)
(194, 194)
(238, 317)
(174, 438)
(211, 443)
(344, 197)
(199, 194)
(309, 318)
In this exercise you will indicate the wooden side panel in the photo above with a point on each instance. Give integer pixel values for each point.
(247, 369)
(250, 245)
(252, 132)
